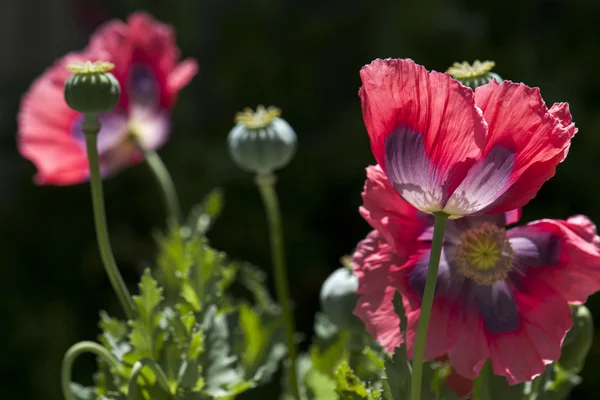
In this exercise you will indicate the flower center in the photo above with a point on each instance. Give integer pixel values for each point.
(484, 254)
(259, 119)
(465, 70)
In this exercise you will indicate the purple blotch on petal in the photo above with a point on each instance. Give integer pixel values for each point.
(449, 282)
(143, 88)
(411, 172)
(484, 184)
(497, 307)
(533, 247)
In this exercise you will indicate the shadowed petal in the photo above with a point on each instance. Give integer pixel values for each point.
(394, 218)
(374, 261)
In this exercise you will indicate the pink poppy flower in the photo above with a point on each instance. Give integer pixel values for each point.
(147, 67)
(501, 294)
(447, 148)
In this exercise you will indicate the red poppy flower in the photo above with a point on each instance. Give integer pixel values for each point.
(148, 69)
(447, 148)
(501, 293)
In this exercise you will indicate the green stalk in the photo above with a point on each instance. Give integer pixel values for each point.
(166, 185)
(75, 351)
(432, 273)
(91, 127)
(266, 186)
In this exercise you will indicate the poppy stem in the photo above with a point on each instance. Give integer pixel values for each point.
(75, 351)
(167, 187)
(266, 186)
(426, 304)
(91, 127)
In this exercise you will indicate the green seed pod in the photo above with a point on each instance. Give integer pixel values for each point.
(261, 142)
(578, 341)
(473, 76)
(92, 89)
(338, 299)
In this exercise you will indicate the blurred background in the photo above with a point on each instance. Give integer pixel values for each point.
(302, 56)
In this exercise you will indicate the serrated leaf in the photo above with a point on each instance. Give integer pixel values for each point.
(348, 385)
(144, 337)
(219, 365)
(150, 295)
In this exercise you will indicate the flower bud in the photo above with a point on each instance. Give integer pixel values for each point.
(261, 142)
(578, 341)
(91, 89)
(473, 76)
(338, 299)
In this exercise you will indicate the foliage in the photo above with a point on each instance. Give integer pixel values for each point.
(208, 344)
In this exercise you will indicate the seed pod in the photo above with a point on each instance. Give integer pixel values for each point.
(261, 141)
(91, 89)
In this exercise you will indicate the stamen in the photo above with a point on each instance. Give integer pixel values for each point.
(484, 254)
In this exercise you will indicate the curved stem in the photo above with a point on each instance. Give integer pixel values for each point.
(167, 187)
(91, 127)
(432, 273)
(161, 377)
(266, 186)
(75, 351)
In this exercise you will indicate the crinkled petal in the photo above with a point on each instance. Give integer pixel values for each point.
(523, 135)
(373, 263)
(576, 272)
(424, 127)
(395, 219)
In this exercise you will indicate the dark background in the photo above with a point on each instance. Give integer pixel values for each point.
(302, 56)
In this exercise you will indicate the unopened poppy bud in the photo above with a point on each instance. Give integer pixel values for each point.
(92, 89)
(578, 341)
(475, 75)
(338, 299)
(261, 141)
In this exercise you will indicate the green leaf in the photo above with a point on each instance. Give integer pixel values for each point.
(397, 369)
(262, 348)
(326, 356)
(204, 214)
(219, 365)
(348, 385)
(114, 335)
(319, 386)
(144, 338)
(173, 262)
